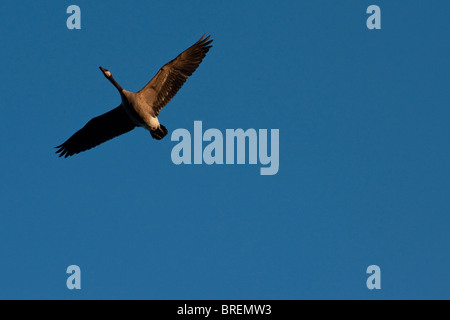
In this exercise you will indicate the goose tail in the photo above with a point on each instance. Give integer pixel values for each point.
(159, 133)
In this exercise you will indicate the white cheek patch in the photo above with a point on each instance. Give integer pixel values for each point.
(108, 74)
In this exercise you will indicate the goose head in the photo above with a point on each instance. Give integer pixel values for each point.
(109, 76)
(105, 72)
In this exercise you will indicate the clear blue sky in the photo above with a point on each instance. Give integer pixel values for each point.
(364, 152)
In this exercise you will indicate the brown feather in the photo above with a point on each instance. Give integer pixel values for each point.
(171, 77)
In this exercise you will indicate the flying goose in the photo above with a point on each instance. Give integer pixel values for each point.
(138, 109)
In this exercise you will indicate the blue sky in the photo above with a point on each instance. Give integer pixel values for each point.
(364, 162)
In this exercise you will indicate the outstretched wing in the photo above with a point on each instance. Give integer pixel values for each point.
(169, 79)
(96, 131)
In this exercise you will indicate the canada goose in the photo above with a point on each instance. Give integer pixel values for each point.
(138, 109)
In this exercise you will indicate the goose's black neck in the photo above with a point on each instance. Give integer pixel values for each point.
(114, 82)
(109, 76)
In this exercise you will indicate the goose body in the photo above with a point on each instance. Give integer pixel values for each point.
(138, 109)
